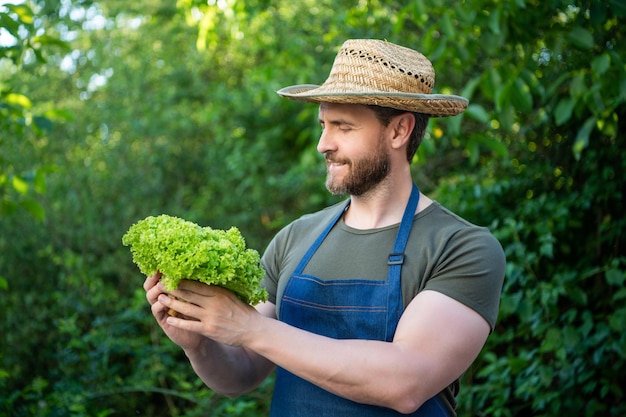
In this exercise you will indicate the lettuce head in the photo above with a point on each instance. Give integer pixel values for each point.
(181, 249)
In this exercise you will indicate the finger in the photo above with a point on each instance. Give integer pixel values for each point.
(196, 287)
(182, 308)
(153, 293)
(185, 324)
(196, 292)
(158, 310)
(151, 281)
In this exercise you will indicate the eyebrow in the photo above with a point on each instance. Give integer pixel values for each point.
(337, 122)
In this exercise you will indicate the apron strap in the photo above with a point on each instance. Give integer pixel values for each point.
(309, 254)
(396, 259)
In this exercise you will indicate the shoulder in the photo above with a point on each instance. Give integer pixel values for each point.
(446, 227)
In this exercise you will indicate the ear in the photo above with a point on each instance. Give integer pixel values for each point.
(402, 126)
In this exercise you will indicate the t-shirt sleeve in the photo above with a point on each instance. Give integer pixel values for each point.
(471, 270)
(269, 261)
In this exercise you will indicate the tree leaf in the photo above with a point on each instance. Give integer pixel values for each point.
(520, 95)
(8, 24)
(19, 100)
(19, 185)
(23, 12)
(615, 277)
(494, 21)
(600, 64)
(34, 208)
(39, 181)
(580, 38)
(582, 138)
(478, 113)
(563, 110)
(494, 145)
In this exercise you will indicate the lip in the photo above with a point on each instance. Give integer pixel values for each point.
(334, 165)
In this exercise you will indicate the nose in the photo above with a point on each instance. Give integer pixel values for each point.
(325, 143)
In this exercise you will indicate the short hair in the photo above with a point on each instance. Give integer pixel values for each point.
(385, 114)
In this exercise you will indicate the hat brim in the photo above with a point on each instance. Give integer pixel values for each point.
(433, 105)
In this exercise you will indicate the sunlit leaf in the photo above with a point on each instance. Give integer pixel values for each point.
(19, 185)
(59, 115)
(51, 40)
(19, 100)
(23, 12)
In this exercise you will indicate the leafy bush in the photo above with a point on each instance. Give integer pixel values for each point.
(559, 343)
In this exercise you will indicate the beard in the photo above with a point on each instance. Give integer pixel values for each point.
(363, 174)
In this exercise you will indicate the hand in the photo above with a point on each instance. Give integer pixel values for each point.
(211, 311)
(154, 289)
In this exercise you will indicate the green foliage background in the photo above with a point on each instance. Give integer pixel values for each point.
(111, 111)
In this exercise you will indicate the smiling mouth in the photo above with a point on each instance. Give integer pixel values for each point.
(335, 162)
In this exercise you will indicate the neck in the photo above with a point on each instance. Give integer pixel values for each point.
(382, 206)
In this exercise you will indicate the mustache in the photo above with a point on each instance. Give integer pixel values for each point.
(331, 158)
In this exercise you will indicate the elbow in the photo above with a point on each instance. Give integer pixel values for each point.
(231, 394)
(234, 391)
(407, 403)
(407, 406)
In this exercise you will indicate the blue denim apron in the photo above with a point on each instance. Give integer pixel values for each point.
(343, 309)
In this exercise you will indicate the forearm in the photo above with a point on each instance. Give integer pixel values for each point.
(228, 370)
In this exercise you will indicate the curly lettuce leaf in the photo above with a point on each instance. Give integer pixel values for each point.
(181, 249)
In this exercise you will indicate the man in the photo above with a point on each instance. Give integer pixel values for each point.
(384, 300)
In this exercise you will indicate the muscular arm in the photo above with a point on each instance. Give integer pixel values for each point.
(436, 340)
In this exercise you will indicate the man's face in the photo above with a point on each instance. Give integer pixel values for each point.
(353, 145)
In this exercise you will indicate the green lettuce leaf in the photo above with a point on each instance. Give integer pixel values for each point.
(181, 249)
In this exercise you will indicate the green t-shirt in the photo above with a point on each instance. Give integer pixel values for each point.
(445, 253)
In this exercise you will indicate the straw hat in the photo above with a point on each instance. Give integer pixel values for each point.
(380, 73)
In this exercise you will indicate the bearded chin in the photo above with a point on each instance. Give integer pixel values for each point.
(362, 177)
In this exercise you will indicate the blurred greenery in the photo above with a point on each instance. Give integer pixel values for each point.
(111, 111)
